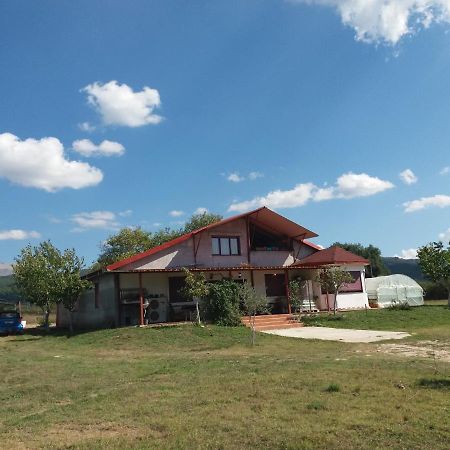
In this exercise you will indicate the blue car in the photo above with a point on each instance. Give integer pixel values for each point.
(10, 322)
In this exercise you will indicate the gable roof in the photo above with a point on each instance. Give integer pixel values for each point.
(330, 257)
(262, 215)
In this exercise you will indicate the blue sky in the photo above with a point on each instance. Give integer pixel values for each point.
(121, 113)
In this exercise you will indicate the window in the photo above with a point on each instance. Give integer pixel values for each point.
(355, 285)
(275, 285)
(225, 246)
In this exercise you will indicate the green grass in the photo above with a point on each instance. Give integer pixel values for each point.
(207, 388)
(429, 321)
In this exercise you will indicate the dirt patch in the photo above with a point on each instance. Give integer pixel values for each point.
(422, 349)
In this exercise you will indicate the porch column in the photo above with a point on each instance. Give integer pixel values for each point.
(141, 298)
(286, 282)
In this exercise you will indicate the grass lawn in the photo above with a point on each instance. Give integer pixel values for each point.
(191, 387)
(431, 321)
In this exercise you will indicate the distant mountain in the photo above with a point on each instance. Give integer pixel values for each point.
(5, 269)
(408, 267)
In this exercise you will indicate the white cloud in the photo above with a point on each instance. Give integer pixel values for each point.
(18, 235)
(125, 213)
(105, 220)
(445, 236)
(439, 201)
(235, 177)
(87, 148)
(255, 175)
(201, 210)
(445, 170)
(86, 126)
(408, 176)
(349, 185)
(42, 164)
(176, 213)
(410, 253)
(118, 104)
(387, 21)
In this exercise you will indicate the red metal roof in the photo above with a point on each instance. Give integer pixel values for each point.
(331, 256)
(263, 214)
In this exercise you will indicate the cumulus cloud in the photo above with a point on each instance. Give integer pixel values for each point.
(87, 127)
(18, 235)
(387, 21)
(176, 213)
(104, 220)
(439, 201)
(235, 177)
(349, 185)
(125, 213)
(42, 164)
(408, 176)
(445, 170)
(410, 253)
(87, 148)
(118, 104)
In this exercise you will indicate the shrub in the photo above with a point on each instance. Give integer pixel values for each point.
(221, 306)
(333, 387)
(397, 306)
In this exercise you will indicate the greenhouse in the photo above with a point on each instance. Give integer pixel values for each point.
(394, 289)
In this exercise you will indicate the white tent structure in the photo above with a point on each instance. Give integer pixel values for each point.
(394, 289)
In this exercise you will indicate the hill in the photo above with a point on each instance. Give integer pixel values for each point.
(408, 267)
(7, 290)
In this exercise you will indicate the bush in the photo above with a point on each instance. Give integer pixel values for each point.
(400, 306)
(222, 304)
(333, 387)
(433, 291)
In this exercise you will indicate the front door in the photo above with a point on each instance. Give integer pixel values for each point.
(276, 292)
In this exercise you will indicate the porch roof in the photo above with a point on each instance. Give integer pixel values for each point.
(332, 256)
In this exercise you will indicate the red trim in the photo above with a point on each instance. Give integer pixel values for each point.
(184, 238)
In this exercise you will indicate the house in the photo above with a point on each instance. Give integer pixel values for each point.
(260, 247)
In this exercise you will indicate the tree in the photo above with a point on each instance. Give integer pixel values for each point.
(44, 276)
(131, 241)
(70, 283)
(296, 295)
(332, 279)
(201, 220)
(196, 288)
(127, 242)
(253, 304)
(372, 253)
(434, 260)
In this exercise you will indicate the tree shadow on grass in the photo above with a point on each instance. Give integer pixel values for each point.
(434, 383)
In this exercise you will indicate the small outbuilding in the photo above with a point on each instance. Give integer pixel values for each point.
(391, 289)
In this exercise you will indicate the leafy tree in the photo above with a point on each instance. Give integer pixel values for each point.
(201, 220)
(434, 260)
(131, 241)
(253, 304)
(221, 306)
(44, 276)
(196, 288)
(372, 253)
(127, 242)
(70, 283)
(332, 279)
(296, 295)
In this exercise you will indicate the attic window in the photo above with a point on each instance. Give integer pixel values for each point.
(225, 246)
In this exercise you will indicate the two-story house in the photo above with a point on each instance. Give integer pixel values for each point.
(260, 247)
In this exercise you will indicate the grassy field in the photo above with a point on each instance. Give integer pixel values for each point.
(431, 321)
(192, 387)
